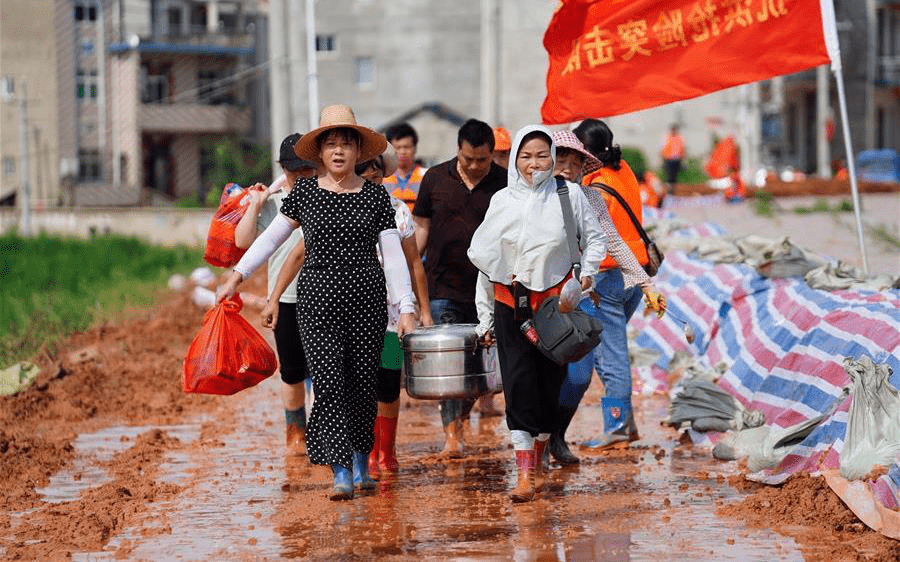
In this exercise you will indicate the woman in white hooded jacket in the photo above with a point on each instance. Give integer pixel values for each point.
(522, 253)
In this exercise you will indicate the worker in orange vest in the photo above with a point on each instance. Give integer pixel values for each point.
(650, 186)
(404, 183)
(672, 155)
(725, 162)
(617, 303)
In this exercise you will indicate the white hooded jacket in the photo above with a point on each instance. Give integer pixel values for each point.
(523, 236)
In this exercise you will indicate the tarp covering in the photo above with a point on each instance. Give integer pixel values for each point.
(783, 342)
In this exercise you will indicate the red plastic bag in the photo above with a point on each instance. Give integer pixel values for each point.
(228, 355)
(221, 249)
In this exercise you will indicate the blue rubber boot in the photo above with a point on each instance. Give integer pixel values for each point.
(619, 429)
(361, 478)
(342, 489)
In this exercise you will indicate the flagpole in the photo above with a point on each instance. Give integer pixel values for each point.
(833, 46)
(851, 167)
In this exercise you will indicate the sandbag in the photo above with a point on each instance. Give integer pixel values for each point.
(228, 355)
(873, 426)
(841, 277)
(704, 406)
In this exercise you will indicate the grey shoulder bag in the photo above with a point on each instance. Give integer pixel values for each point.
(566, 338)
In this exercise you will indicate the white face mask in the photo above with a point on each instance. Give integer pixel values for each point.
(538, 177)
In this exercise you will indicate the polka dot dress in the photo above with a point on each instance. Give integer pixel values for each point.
(340, 310)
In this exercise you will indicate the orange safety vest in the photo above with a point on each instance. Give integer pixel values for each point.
(674, 148)
(626, 185)
(649, 196)
(405, 189)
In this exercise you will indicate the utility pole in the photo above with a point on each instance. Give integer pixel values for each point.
(100, 46)
(490, 61)
(279, 84)
(823, 110)
(296, 54)
(24, 195)
(312, 71)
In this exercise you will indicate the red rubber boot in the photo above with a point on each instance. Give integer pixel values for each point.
(374, 472)
(387, 453)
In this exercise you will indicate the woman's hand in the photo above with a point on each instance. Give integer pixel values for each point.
(227, 289)
(406, 324)
(259, 193)
(587, 282)
(655, 301)
(269, 315)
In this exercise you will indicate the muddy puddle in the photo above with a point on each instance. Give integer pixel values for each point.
(242, 498)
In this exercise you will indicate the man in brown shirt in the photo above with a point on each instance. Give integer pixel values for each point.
(453, 199)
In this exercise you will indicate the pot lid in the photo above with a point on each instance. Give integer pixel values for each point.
(441, 337)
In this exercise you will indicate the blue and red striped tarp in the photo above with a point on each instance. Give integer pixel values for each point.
(783, 343)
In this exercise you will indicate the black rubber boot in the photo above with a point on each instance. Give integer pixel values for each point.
(558, 446)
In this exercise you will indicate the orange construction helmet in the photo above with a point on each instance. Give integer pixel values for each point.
(502, 140)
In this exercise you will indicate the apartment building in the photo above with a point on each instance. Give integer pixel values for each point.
(27, 69)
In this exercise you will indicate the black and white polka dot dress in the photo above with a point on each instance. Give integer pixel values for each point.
(341, 313)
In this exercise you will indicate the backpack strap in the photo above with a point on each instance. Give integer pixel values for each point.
(621, 200)
(569, 220)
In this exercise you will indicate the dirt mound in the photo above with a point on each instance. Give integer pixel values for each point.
(809, 186)
(807, 509)
(129, 373)
(89, 522)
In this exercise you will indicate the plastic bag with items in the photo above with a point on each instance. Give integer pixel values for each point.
(228, 355)
(221, 249)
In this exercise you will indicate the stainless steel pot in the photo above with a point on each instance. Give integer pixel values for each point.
(446, 361)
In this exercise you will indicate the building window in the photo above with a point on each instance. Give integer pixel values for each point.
(365, 71)
(9, 165)
(215, 87)
(88, 165)
(198, 17)
(155, 83)
(86, 84)
(326, 43)
(174, 18)
(85, 10)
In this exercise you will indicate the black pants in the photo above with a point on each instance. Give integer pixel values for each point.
(387, 385)
(291, 358)
(531, 382)
(672, 167)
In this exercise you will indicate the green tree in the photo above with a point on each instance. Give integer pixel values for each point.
(228, 159)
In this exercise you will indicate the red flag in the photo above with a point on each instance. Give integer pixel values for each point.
(610, 57)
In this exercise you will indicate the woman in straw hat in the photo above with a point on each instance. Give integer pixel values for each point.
(341, 289)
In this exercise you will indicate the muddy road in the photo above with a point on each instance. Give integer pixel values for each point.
(106, 459)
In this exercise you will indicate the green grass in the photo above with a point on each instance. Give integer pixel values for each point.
(763, 204)
(822, 206)
(51, 286)
(881, 232)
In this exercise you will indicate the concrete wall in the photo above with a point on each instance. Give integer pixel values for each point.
(167, 227)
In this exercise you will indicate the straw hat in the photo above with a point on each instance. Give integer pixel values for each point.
(340, 116)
